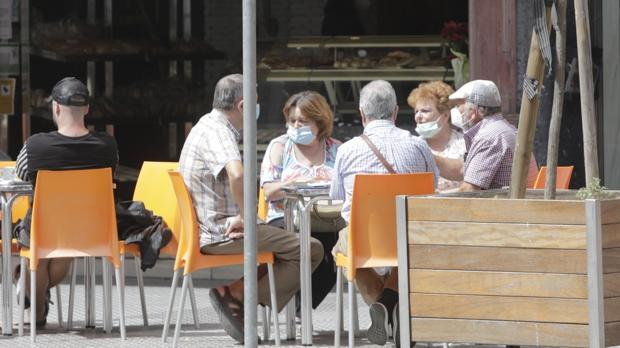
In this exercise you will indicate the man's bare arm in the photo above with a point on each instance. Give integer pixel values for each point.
(450, 168)
(234, 170)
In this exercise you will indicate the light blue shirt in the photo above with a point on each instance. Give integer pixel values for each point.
(405, 152)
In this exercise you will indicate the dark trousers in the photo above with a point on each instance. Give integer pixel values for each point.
(324, 276)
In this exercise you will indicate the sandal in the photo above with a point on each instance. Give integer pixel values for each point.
(230, 311)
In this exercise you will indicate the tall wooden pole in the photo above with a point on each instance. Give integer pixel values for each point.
(586, 90)
(558, 101)
(527, 117)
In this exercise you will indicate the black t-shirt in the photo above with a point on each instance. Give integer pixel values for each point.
(55, 151)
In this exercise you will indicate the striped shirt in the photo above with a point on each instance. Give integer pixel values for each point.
(210, 145)
(405, 152)
(490, 149)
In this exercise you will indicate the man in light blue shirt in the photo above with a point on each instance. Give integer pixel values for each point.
(405, 153)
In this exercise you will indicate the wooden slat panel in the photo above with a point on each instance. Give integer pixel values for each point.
(498, 283)
(611, 235)
(442, 257)
(496, 210)
(610, 211)
(551, 310)
(611, 260)
(499, 235)
(612, 309)
(612, 334)
(611, 285)
(499, 332)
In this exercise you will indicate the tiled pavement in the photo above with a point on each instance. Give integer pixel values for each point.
(210, 333)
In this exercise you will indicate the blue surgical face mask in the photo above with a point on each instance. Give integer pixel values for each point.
(428, 130)
(257, 111)
(302, 135)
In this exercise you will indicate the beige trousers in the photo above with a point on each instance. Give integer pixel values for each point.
(369, 283)
(285, 246)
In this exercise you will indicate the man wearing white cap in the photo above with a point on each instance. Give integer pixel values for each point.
(490, 140)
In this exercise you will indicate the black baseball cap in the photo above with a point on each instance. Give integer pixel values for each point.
(70, 91)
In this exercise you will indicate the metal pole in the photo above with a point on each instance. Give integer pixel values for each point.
(249, 171)
(25, 66)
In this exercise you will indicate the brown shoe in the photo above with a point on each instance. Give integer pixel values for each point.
(230, 311)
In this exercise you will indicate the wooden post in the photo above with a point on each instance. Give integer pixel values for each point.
(586, 90)
(527, 117)
(558, 101)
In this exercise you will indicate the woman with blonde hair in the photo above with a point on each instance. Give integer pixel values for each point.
(306, 152)
(432, 116)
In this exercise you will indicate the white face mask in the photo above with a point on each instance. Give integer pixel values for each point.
(428, 130)
(457, 119)
(302, 135)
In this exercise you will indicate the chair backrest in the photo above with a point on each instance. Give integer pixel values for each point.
(562, 179)
(154, 189)
(189, 245)
(372, 224)
(73, 215)
(263, 205)
(21, 204)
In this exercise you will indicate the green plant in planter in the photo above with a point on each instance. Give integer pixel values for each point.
(594, 190)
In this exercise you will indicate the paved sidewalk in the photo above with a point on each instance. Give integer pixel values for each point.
(210, 333)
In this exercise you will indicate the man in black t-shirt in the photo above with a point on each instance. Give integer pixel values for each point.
(72, 146)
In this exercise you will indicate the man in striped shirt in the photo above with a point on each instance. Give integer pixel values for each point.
(490, 140)
(213, 172)
(405, 153)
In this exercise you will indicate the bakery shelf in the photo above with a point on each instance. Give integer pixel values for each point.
(365, 41)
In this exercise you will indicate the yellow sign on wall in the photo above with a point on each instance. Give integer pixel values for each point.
(7, 96)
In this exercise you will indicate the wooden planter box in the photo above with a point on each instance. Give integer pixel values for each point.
(481, 268)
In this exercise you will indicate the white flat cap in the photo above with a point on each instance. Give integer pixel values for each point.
(479, 92)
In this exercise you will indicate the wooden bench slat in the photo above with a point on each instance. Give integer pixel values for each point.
(499, 283)
(499, 332)
(467, 258)
(498, 234)
(534, 309)
(496, 210)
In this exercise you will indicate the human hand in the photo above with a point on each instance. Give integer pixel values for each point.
(235, 227)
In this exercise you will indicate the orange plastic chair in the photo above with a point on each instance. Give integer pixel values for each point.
(21, 204)
(192, 259)
(562, 181)
(263, 205)
(73, 215)
(372, 230)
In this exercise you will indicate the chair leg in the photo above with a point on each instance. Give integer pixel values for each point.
(338, 329)
(177, 327)
(356, 323)
(33, 306)
(59, 305)
(192, 301)
(290, 320)
(22, 294)
(120, 290)
(107, 296)
(140, 278)
(263, 312)
(173, 289)
(274, 304)
(71, 295)
(351, 314)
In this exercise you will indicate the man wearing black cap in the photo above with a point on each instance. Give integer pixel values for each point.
(72, 146)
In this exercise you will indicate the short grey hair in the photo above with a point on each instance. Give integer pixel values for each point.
(378, 100)
(483, 110)
(228, 91)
